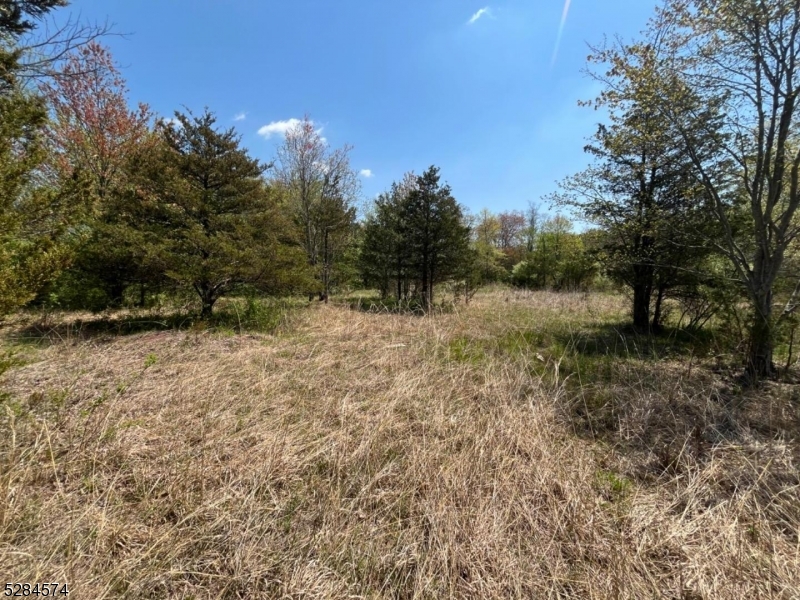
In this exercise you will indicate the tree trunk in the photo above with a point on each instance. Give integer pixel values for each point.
(116, 293)
(424, 287)
(656, 327)
(430, 291)
(208, 307)
(208, 298)
(641, 306)
(759, 361)
(326, 268)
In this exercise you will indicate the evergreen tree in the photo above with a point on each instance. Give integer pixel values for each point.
(33, 222)
(434, 232)
(381, 259)
(416, 237)
(16, 16)
(384, 260)
(210, 221)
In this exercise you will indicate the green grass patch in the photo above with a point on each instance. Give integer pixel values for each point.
(465, 350)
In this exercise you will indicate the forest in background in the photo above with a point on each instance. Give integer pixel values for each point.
(690, 196)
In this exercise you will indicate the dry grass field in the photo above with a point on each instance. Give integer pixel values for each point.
(524, 446)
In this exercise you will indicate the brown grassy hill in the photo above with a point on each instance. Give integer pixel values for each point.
(522, 447)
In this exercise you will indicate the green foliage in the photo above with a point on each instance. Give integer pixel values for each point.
(488, 263)
(558, 259)
(384, 258)
(720, 78)
(15, 17)
(260, 315)
(208, 219)
(465, 350)
(33, 223)
(320, 189)
(415, 237)
(642, 192)
(614, 487)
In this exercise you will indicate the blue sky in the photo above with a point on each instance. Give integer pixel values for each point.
(469, 86)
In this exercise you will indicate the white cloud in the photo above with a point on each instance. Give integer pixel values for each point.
(366, 173)
(281, 128)
(484, 11)
(240, 116)
(278, 127)
(173, 121)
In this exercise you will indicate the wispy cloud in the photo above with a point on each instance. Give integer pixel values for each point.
(484, 11)
(278, 127)
(366, 173)
(173, 121)
(240, 116)
(564, 16)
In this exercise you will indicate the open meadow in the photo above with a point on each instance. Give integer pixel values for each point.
(374, 300)
(524, 446)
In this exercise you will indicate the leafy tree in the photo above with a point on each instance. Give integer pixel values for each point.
(641, 191)
(94, 135)
(511, 238)
(744, 57)
(486, 228)
(210, 221)
(558, 261)
(486, 263)
(93, 130)
(321, 188)
(533, 220)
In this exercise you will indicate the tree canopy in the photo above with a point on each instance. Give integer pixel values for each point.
(210, 220)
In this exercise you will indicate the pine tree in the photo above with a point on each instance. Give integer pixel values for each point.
(210, 221)
(32, 219)
(434, 232)
(416, 236)
(641, 191)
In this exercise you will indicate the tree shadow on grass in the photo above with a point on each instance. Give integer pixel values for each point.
(237, 317)
(622, 340)
(669, 404)
(47, 331)
(378, 305)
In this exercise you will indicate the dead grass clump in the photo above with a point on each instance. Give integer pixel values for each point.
(362, 456)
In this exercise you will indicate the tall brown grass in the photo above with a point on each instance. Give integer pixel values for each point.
(358, 455)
